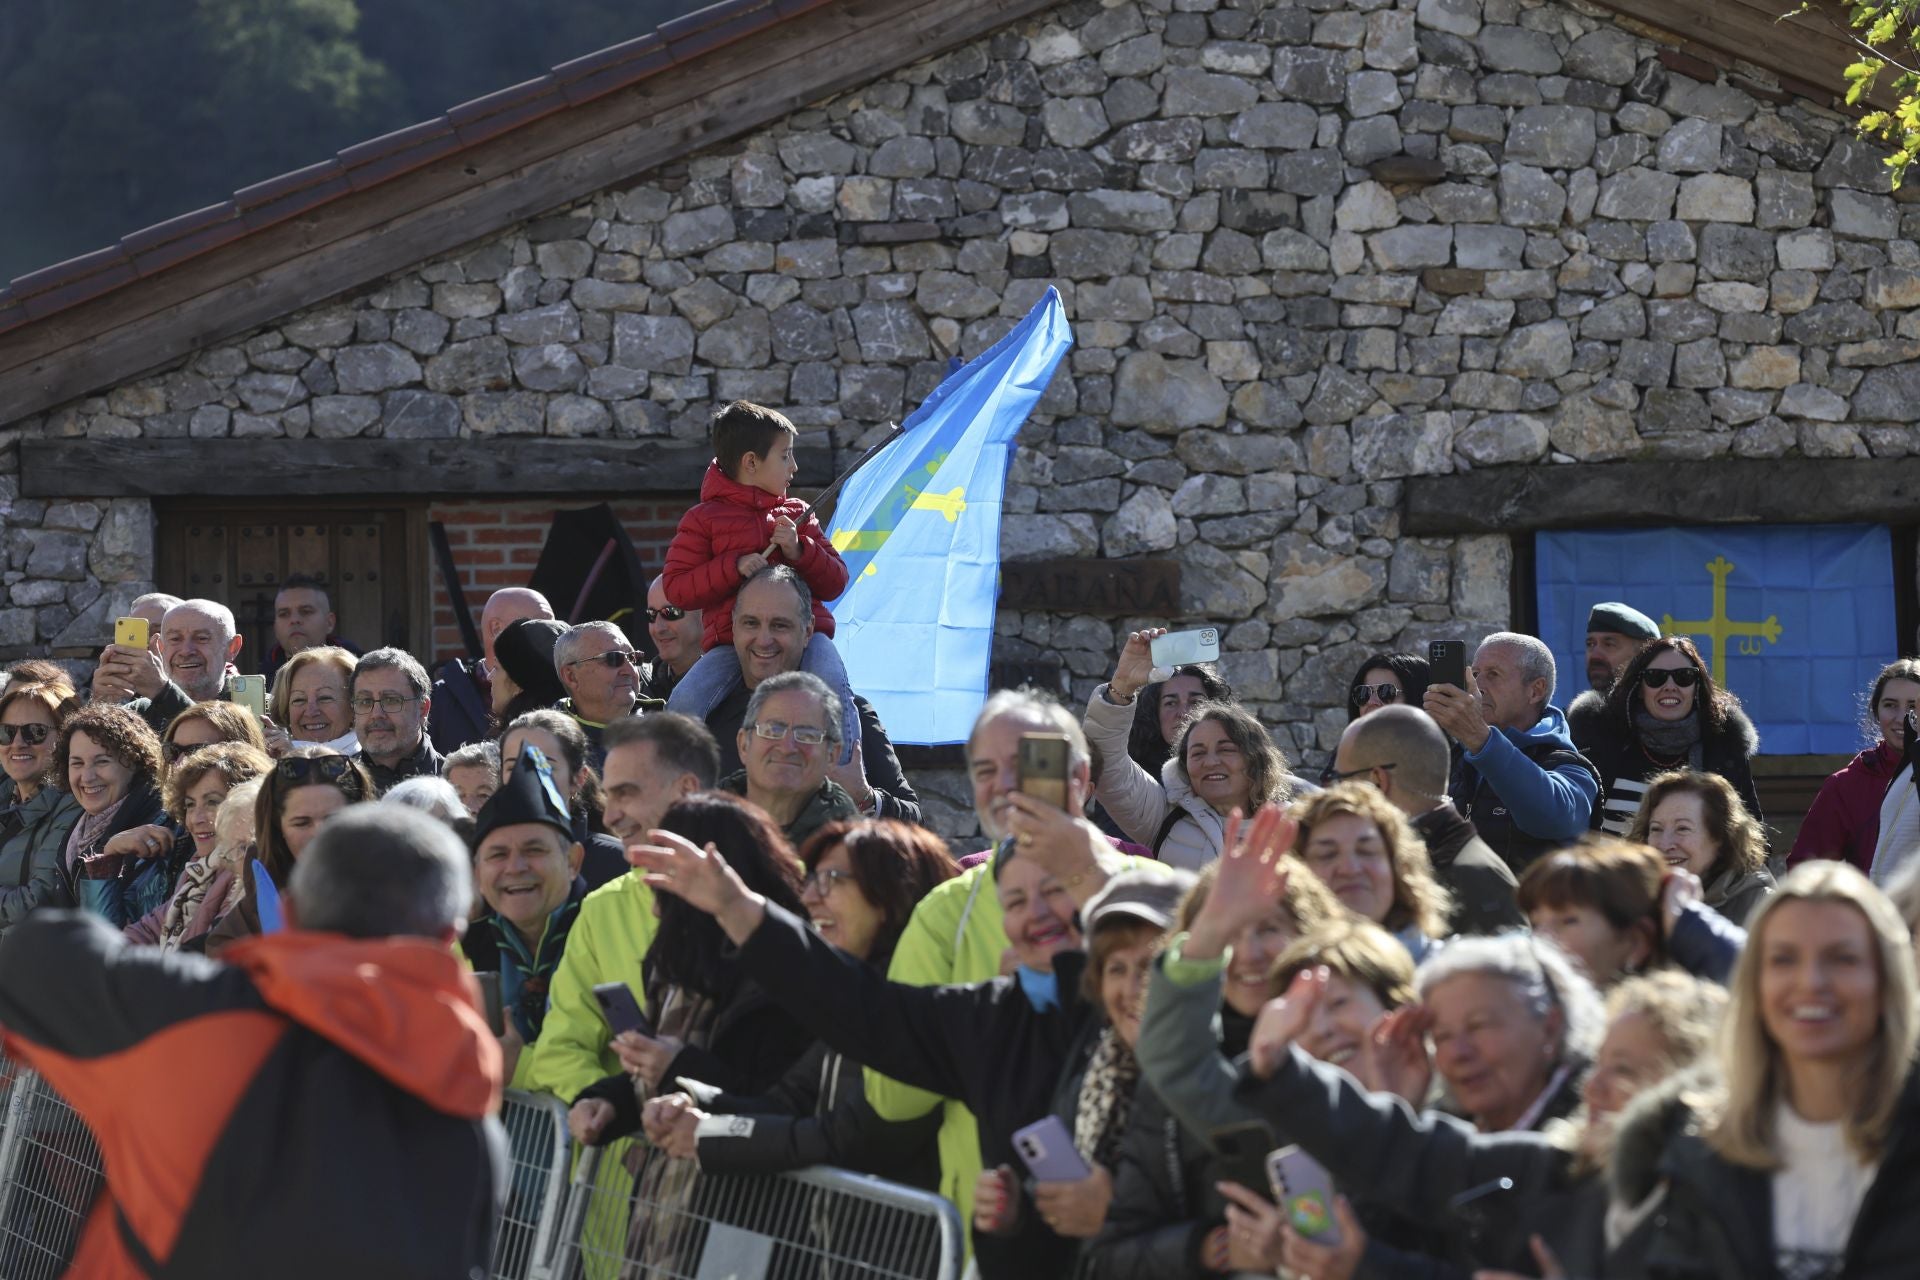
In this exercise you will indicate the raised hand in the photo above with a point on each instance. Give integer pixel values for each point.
(1067, 847)
(852, 776)
(1283, 1018)
(1135, 667)
(1251, 879)
(701, 878)
(1458, 711)
(279, 741)
(1396, 1058)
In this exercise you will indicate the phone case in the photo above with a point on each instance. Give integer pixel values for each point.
(1304, 1190)
(1046, 1148)
(620, 1009)
(1178, 648)
(249, 692)
(1447, 662)
(131, 633)
(1043, 767)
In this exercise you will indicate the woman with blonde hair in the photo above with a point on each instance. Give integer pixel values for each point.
(1698, 822)
(1804, 1159)
(309, 705)
(1361, 846)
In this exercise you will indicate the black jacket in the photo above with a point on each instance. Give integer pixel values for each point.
(462, 706)
(1625, 767)
(1717, 1218)
(893, 795)
(984, 1044)
(425, 762)
(818, 1114)
(754, 1041)
(1482, 885)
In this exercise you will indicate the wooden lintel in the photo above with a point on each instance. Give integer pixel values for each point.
(1713, 491)
(369, 468)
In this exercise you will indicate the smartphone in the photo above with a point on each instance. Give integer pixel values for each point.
(1447, 663)
(1178, 648)
(249, 692)
(621, 1010)
(1304, 1191)
(132, 633)
(490, 1002)
(1046, 1148)
(1240, 1152)
(1043, 767)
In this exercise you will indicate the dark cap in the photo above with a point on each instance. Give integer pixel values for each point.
(530, 795)
(1622, 619)
(525, 653)
(1152, 897)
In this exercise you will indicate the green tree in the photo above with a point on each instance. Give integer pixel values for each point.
(1885, 33)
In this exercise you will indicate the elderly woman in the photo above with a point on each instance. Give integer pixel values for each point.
(1435, 1168)
(1804, 1159)
(1665, 713)
(862, 882)
(113, 771)
(38, 816)
(1011, 1052)
(310, 706)
(1844, 819)
(1223, 760)
(197, 788)
(1698, 822)
(305, 788)
(1361, 847)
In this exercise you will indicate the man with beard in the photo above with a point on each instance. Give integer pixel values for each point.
(390, 707)
(1616, 633)
(198, 639)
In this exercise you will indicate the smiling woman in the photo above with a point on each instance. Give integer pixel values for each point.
(310, 701)
(38, 815)
(1361, 847)
(112, 769)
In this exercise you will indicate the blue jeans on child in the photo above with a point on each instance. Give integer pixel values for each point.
(709, 681)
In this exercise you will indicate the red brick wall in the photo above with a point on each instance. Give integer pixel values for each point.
(497, 544)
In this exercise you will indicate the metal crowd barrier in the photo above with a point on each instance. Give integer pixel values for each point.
(677, 1223)
(49, 1176)
(661, 1219)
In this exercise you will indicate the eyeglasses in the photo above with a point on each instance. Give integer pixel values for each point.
(1683, 677)
(336, 770)
(1387, 693)
(822, 881)
(672, 613)
(804, 735)
(35, 734)
(1341, 776)
(391, 703)
(612, 659)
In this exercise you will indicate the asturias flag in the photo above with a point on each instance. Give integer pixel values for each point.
(919, 528)
(1795, 619)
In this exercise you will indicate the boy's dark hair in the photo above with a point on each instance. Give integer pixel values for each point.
(741, 428)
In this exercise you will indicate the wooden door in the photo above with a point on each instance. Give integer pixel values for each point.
(372, 562)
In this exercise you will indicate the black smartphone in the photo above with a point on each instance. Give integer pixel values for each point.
(1241, 1151)
(1447, 663)
(490, 1002)
(1043, 767)
(621, 1010)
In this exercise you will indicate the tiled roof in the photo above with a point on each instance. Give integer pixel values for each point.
(154, 249)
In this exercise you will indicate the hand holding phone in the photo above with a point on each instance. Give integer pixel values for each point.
(1179, 648)
(1447, 663)
(249, 692)
(1304, 1191)
(1043, 767)
(1046, 1148)
(132, 633)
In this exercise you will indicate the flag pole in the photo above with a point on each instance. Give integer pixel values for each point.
(894, 432)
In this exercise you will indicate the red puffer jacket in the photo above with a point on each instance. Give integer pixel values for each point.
(1844, 820)
(731, 520)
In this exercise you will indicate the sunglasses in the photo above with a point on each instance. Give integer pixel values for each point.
(1683, 677)
(672, 613)
(612, 659)
(335, 770)
(35, 734)
(1387, 693)
(175, 752)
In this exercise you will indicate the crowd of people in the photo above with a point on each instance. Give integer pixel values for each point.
(1528, 987)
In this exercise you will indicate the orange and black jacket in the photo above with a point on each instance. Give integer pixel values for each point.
(310, 1106)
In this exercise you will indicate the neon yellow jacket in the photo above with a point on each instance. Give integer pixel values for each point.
(610, 937)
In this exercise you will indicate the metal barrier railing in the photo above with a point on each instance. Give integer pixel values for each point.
(50, 1173)
(598, 1220)
(677, 1223)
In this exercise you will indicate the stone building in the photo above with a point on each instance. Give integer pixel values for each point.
(1364, 292)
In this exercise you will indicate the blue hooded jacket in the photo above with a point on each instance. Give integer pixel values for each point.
(1527, 791)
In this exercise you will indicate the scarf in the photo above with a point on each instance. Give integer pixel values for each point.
(195, 880)
(91, 832)
(1668, 739)
(527, 974)
(1106, 1100)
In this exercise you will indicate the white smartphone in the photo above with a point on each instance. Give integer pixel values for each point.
(1304, 1191)
(1178, 648)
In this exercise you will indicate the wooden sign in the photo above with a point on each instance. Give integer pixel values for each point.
(1108, 588)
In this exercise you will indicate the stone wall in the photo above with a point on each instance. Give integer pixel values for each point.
(1310, 249)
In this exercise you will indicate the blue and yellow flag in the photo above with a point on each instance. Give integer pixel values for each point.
(1795, 619)
(919, 528)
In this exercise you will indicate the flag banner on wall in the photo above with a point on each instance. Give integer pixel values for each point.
(1794, 619)
(919, 528)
